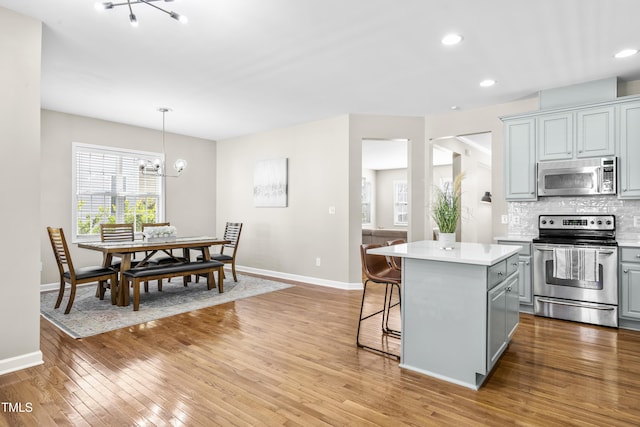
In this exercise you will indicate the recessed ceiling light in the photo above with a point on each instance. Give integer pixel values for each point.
(454, 107)
(625, 53)
(451, 39)
(487, 83)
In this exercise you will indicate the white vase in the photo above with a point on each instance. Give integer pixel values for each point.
(447, 240)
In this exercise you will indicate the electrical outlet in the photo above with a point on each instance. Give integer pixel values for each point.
(515, 220)
(332, 210)
(504, 219)
(636, 221)
(318, 262)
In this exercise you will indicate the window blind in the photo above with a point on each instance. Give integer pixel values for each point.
(109, 188)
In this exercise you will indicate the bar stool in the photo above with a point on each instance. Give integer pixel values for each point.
(377, 270)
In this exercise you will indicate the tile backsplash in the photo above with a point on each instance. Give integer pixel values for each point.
(523, 216)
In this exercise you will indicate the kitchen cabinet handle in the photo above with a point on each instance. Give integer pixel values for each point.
(499, 273)
(527, 263)
(625, 271)
(637, 255)
(583, 305)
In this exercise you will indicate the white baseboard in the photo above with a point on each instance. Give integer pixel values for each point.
(275, 274)
(299, 278)
(23, 361)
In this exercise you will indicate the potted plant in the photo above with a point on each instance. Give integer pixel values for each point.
(446, 210)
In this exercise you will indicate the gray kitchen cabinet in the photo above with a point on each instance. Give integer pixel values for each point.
(585, 132)
(629, 283)
(629, 151)
(503, 314)
(555, 136)
(520, 159)
(595, 132)
(524, 274)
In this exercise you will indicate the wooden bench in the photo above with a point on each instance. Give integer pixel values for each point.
(164, 271)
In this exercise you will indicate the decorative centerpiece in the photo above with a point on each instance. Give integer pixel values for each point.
(160, 234)
(446, 211)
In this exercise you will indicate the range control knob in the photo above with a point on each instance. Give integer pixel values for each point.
(544, 221)
(592, 222)
(550, 221)
(608, 222)
(599, 222)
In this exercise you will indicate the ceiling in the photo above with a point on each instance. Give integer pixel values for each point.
(243, 66)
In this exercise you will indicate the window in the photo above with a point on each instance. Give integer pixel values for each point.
(366, 201)
(108, 188)
(400, 203)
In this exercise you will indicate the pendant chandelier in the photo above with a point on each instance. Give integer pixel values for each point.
(156, 167)
(132, 17)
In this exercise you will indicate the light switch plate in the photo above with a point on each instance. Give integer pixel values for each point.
(505, 219)
(636, 221)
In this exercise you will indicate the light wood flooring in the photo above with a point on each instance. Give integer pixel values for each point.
(289, 358)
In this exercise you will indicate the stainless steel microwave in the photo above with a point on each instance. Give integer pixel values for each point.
(584, 177)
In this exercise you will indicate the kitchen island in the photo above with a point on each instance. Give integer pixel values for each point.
(460, 307)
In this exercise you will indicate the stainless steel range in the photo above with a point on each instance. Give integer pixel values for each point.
(575, 265)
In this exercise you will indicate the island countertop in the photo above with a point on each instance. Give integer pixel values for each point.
(462, 252)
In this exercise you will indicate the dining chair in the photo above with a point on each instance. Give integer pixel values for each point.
(77, 276)
(232, 232)
(394, 261)
(121, 233)
(170, 257)
(376, 269)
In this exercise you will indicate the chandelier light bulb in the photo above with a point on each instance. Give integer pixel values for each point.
(179, 18)
(180, 165)
(103, 6)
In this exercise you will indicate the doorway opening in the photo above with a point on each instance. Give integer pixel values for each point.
(471, 155)
(385, 189)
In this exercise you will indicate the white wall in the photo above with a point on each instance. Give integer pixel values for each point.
(288, 240)
(370, 175)
(20, 152)
(190, 199)
(384, 197)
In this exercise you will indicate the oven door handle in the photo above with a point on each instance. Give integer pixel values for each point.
(572, 304)
(599, 252)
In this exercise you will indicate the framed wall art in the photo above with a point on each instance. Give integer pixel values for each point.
(270, 183)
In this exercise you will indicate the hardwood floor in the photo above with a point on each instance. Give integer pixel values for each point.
(289, 358)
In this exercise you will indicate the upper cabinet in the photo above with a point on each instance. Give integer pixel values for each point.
(588, 132)
(520, 159)
(599, 130)
(629, 186)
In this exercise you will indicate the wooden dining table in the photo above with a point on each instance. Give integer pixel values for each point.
(126, 249)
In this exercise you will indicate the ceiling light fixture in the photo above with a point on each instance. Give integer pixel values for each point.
(451, 39)
(132, 17)
(487, 83)
(155, 167)
(625, 53)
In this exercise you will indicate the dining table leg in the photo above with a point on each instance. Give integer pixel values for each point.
(123, 287)
(211, 281)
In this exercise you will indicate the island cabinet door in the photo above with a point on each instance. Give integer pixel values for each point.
(513, 305)
(497, 323)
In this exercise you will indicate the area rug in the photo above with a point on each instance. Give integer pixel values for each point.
(90, 316)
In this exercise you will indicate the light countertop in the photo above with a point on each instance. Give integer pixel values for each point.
(462, 252)
(525, 239)
(629, 243)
